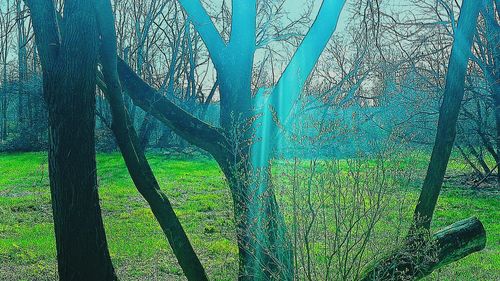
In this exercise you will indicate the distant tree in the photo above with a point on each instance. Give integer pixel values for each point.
(68, 49)
(7, 23)
(486, 55)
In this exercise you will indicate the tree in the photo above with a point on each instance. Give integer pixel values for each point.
(461, 238)
(264, 248)
(132, 151)
(448, 113)
(68, 48)
(6, 26)
(487, 57)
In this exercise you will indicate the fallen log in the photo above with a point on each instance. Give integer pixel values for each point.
(420, 257)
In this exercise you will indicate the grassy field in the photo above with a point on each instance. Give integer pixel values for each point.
(201, 199)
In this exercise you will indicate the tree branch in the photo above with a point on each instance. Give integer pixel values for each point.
(448, 245)
(181, 122)
(206, 28)
(287, 91)
(291, 82)
(48, 39)
(243, 25)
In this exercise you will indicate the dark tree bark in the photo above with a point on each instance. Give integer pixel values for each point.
(132, 152)
(445, 246)
(69, 63)
(419, 256)
(146, 130)
(448, 113)
(181, 122)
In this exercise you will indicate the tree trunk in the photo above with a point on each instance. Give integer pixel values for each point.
(4, 103)
(494, 81)
(265, 250)
(22, 59)
(264, 247)
(231, 150)
(69, 82)
(497, 123)
(418, 259)
(146, 130)
(421, 255)
(133, 154)
(448, 113)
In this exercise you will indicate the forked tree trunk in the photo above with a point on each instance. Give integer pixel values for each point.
(69, 66)
(231, 150)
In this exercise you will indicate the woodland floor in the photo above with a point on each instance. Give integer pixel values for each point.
(201, 200)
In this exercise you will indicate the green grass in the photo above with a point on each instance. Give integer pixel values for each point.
(202, 201)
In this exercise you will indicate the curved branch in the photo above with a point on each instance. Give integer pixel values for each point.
(192, 129)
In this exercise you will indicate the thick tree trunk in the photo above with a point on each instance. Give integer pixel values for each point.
(265, 250)
(231, 150)
(69, 68)
(418, 259)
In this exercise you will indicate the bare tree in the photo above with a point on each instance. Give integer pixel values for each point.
(461, 238)
(6, 27)
(267, 253)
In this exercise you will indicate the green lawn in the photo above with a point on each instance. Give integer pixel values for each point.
(201, 199)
